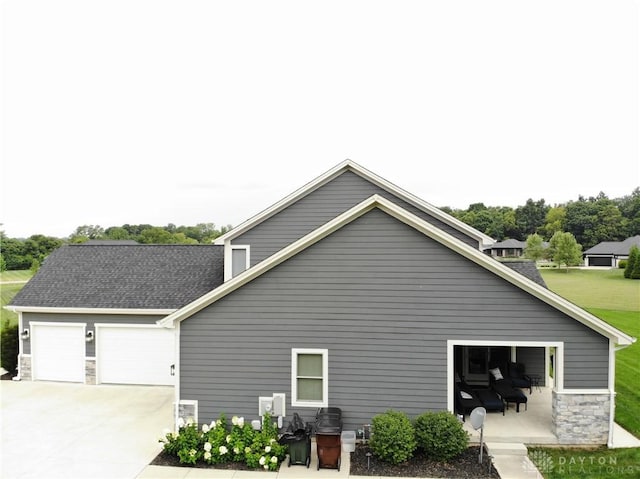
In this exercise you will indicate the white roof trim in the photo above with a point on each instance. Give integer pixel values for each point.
(424, 227)
(44, 309)
(368, 175)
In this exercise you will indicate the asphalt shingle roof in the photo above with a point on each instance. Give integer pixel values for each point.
(526, 268)
(615, 247)
(124, 276)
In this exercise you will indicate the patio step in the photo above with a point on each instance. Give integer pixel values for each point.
(506, 448)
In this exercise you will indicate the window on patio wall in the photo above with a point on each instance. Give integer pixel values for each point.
(309, 375)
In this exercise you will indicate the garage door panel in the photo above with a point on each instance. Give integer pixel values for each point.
(135, 355)
(58, 352)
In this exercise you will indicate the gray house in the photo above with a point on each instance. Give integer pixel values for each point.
(89, 314)
(609, 253)
(351, 292)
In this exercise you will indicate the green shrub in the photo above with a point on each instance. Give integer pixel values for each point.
(215, 444)
(632, 262)
(185, 443)
(622, 264)
(393, 438)
(440, 435)
(9, 345)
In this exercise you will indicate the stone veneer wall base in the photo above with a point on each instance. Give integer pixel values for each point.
(579, 418)
(25, 368)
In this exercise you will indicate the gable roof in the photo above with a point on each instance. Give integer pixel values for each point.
(509, 243)
(427, 229)
(619, 248)
(352, 166)
(117, 278)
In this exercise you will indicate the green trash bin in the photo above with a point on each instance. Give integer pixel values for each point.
(298, 440)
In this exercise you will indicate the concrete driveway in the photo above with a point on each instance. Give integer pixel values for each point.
(62, 430)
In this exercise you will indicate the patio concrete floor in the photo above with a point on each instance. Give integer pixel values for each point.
(530, 426)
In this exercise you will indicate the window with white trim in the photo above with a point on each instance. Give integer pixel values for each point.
(239, 259)
(309, 377)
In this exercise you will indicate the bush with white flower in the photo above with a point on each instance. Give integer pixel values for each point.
(215, 444)
(185, 443)
(266, 452)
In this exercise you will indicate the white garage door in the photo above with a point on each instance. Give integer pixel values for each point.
(57, 352)
(134, 354)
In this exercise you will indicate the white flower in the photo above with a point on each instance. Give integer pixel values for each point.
(212, 425)
(223, 450)
(274, 459)
(272, 440)
(219, 422)
(190, 421)
(267, 449)
(207, 456)
(205, 428)
(236, 450)
(266, 467)
(241, 422)
(228, 438)
(247, 450)
(262, 460)
(180, 422)
(234, 420)
(207, 446)
(193, 452)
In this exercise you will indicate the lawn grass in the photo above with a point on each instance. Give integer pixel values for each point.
(599, 288)
(8, 291)
(627, 368)
(19, 275)
(561, 463)
(616, 300)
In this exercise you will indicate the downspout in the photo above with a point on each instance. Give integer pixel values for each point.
(612, 379)
(176, 386)
(612, 390)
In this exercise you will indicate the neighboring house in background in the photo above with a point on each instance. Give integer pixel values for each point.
(609, 253)
(350, 292)
(509, 248)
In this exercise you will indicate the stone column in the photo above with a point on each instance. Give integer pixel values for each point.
(581, 418)
(90, 371)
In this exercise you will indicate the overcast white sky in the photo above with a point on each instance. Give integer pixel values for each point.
(203, 111)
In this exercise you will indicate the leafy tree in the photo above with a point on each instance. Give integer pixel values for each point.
(594, 220)
(632, 262)
(3, 263)
(86, 232)
(117, 233)
(534, 250)
(554, 221)
(565, 249)
(531, 216)
(629, 207)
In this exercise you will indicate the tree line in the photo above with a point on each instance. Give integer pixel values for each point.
(589, 220)
(17, 254)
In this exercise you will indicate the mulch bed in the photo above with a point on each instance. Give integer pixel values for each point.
(165, 459)
(464, 466)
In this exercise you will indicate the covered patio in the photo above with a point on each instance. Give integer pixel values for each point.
(530, 426)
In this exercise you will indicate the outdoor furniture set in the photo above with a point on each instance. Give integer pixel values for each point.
(502, 391)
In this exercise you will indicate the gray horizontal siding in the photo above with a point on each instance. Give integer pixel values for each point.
(383, 299)
(90, 319)
(319, 207)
